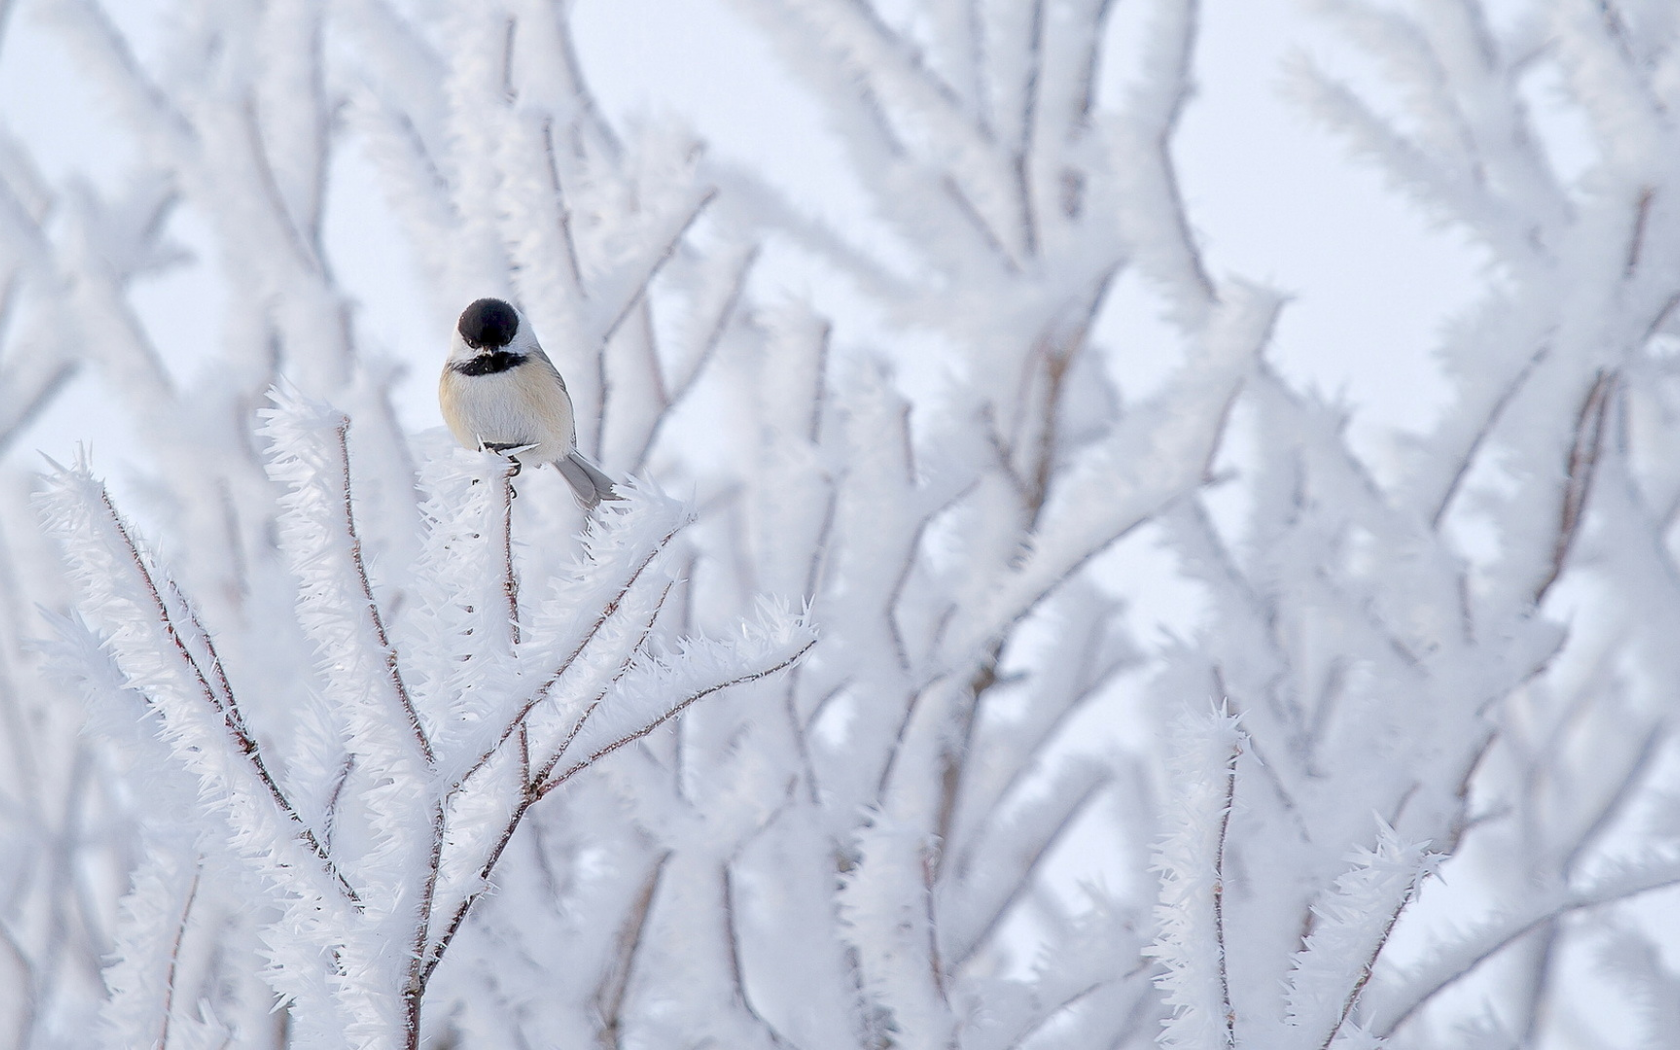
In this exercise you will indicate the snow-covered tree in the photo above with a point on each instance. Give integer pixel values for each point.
(323, 738)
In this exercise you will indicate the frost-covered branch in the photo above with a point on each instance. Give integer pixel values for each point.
(404, 853)
(1191, 945)
(375, 661)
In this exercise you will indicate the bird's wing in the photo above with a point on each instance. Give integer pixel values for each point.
(556, 412)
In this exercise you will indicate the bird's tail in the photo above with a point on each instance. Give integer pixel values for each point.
(589, 484)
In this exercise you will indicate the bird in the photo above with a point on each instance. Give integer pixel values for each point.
(500, 392)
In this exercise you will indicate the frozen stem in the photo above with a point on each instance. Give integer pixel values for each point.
(392, 669)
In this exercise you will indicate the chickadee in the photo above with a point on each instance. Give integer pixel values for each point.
(499, 391)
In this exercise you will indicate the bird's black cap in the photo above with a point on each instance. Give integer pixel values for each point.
(488, 324)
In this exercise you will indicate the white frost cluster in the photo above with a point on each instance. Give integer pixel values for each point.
(418, 829)
(367, 751)
(1190, 860)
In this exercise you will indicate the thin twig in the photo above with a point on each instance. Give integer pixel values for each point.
(1370, 963)
(910, 704)
(1029, 128)
(1058, 354)
(1495, 412)
(673, 712)
(535, 793)
(1028, 867)
(1641, 217)
(269, 187)
(615, 982)
(1582, 464)
(658, 263)
(1615, 804)
(574, 269)
(175, 961)
(392, 669)
(1171, 184)
(330, 810)
(419, 972)
(732, 937)
(1032, 746)
(1219, 895)
(1093, 42)
(28, 985)
(595, 702)
(243, 740)
(36, 401)
(209, 644)
(1067, 1003)
(547, 687)
(965, 208)
(708, 349)
(510, 582)
(954, 758)
(1479, 947)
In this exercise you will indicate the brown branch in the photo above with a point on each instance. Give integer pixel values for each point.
(1641, 218)
(819, 708)
(510, 583)
(35, 401)
(1582, 464)
(896, 592)
(203, 636)
(242, 738)
(1171, 184)
(1029, 126)
(669, 714)
(414, 988)
(965, 207)
(1058, 351)
(1219, 895)
(657, 264)
(1662, 317)
(1615, 804)
(1040, 735)
(269, 190)
(29, 985)
(1028, 868)
(543, 691)
(435, 954)
(955, 758)
(175, 961)
(574, 269)
(589, 708)
(1093, 43)
(821, 548)
(1479, 947)
(392, 669)
(1003, 450)
(817, 399)
(535, 792)
(708, 349)
(1495, 412)
(330, 810)
(1370, 963)
(732, 937)
(615, 982)
(910, 705)
(524, 753)
(1047, 1016)
(1541, 969)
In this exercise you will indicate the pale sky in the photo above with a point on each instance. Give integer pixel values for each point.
(1272, 197)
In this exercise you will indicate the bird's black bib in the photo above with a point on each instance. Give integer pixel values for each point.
(490, 364)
